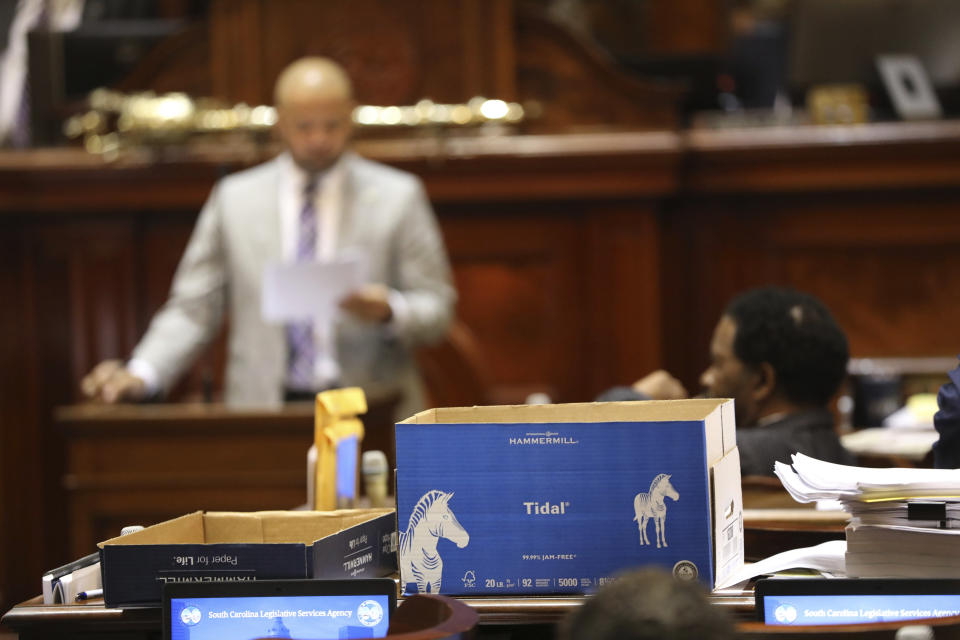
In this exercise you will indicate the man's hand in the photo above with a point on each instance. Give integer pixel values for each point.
(370, 302)
(660, 385)
(111, 382)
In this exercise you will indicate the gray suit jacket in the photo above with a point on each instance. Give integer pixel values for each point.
(385, 215)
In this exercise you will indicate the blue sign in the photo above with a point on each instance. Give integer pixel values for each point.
(851, 609)
(302, 617)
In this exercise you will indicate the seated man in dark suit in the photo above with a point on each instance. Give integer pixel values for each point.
(781, 356)
(946, 451)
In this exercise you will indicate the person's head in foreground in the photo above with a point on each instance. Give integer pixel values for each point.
(648, 604)
(314, 101)
(775, 351)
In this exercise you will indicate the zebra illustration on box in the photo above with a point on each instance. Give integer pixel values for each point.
(430, 520)
(651, 505)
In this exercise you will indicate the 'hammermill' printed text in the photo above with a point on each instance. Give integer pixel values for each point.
(548, 437)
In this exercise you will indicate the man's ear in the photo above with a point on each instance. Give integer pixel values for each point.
(765, 382)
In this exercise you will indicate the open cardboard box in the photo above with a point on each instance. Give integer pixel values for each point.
(557, 498)
(220, 546)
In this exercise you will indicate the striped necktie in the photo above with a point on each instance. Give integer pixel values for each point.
(300, 335)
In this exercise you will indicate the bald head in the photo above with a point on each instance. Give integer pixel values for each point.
(309, 78)
(314, 103)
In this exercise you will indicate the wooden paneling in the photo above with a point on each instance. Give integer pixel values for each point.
(236, 52)
(396, 52)
(819, 159)
(866, 218)
(144, 464)
(401, 51)
(21, 429)
(881, 262)
(179, 63)
(375, 41)
(685, 27)
(624, 286)
(578, 88)
(514, 269)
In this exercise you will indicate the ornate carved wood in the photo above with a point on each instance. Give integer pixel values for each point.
(396, 52)
(401, 51)
(578, 86)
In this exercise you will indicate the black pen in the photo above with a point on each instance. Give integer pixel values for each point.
(92, 593)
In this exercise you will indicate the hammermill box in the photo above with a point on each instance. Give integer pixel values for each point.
(540, 499)
(260, 545)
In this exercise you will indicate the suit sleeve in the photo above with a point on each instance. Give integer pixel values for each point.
(756, 457)
(423, 296)
(193, 313)
(946, 451)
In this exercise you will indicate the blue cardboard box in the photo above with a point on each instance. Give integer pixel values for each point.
(261, 545)
(541, 499)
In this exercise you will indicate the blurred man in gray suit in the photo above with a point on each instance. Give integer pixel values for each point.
(316, 201)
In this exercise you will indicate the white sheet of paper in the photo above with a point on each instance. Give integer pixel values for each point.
(827, 557)
(309, 290)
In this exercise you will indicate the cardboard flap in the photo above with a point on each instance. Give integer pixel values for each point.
(228, 527)
(353, 517)
(186, 529)
(583, 412)
(728, 413)
(721, 431)
(301, 526)
(727, 515)
(713, 436)
(273, 527)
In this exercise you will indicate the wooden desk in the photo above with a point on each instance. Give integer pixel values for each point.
(147, 463)
(770, 531)
(880, 446)
(499, 616)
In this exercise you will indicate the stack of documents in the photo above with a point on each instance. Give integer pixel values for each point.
(63, 584)
(905, 522)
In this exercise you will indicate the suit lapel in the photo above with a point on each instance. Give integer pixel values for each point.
(357, 197)
(265, 222)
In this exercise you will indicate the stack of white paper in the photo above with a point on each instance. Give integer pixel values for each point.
(810, 479)
(905, 522)
(827, 558)
(70, 585)
(880, 551)
(915, 512)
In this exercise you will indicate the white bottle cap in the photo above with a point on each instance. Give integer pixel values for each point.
(539, 397)
(374, 462)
